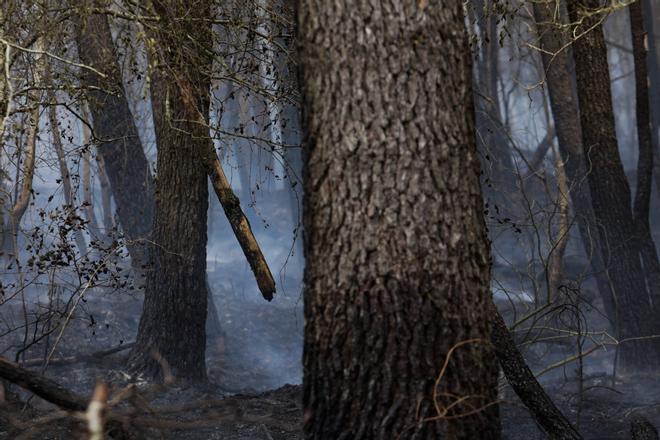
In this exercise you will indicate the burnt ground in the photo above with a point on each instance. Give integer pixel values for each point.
(254, 375)
(210, 413)
(237, 406)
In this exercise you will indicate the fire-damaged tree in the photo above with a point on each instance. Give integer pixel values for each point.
(172, 322)
(610, 194)
(119, 147)
(397, 275)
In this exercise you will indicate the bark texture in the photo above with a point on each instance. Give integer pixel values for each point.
(397, 268)
(610, 194)
(175, 306)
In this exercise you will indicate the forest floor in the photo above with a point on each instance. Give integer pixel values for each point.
(254, 387)
(209, 413)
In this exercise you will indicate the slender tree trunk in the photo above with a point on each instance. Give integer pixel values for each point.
(243, 148)
(69, 194)
(610, 194)
(559, 80)
(642, 200)
(524, 383)
(560, 239)
(88, 191)
(497, 161)
(397, 274)
(23, 200)
(119, 146)
(106, 196)
(175, 306)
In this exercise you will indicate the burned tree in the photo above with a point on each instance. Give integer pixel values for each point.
(397, 268)
(557, 62)
(175, 306)
(610, 193)
(119, 147)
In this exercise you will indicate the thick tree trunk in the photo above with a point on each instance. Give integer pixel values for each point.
(397, 274)
(127, 174)
(652, 24)
(175, 306)
(558, 67)
(642, 201)
(119, 144)
(610, 194)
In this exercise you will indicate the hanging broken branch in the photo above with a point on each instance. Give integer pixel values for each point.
(230, 203)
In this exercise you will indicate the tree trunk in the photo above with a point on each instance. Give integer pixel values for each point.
(397, 274)
(645, 162)
(69, 194)
(497, 161)
(88, 199)
(175, 306)
(114, 128)
(25, 193)
(523, 382)
(558, 67)
(652, 24)
(106, 196)
(610, 194)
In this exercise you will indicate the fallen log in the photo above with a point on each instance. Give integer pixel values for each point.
(524, 383)
(43, 387)
(53, 392)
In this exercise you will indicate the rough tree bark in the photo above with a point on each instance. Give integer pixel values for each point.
(558, 77)
(175, 306)
(610, 193)
(132, 183)
(397, 274)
